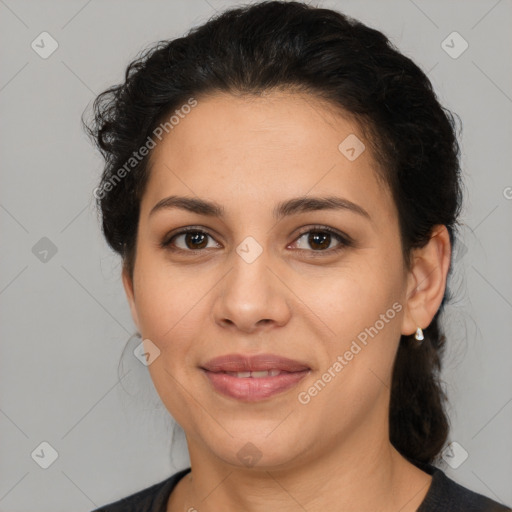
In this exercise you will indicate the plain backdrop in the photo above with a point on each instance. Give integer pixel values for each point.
(64, 317)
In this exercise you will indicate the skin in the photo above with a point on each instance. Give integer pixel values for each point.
(295, 300)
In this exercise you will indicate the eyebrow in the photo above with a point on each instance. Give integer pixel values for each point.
(285, 208)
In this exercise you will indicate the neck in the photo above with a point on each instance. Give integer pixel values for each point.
(352, 474)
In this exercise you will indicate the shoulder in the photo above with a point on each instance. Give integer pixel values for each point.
(447, 495)
(150, 499)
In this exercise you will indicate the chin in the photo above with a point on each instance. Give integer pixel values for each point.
(257, 450)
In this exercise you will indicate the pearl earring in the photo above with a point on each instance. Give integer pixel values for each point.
(419, 334)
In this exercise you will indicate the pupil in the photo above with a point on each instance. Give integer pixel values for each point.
(319, 238)
(195, 237)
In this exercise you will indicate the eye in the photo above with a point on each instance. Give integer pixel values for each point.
(320, 238)
(187, 240)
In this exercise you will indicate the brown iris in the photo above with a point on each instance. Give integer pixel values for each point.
(197, 240)
(317, 237)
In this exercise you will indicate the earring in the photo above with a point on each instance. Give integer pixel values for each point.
(419, 334)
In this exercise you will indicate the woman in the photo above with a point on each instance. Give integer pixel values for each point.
(283, 188)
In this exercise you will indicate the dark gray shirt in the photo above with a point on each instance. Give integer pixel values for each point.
(444, 495)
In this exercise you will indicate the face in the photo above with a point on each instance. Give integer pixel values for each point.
(321, 282)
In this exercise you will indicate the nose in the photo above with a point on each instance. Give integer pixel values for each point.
(251, 297)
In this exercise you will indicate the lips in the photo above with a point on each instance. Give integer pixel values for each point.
(253, 378)
(233, 363)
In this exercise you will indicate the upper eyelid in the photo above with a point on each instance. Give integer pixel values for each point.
(344, 239)
(183, 231)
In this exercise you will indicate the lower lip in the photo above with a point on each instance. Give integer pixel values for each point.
(251, 389)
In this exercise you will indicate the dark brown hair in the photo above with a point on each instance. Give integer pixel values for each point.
(293, 46)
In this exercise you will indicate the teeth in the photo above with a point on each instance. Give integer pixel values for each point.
(241, 374)
(255, 375)
(260, 374)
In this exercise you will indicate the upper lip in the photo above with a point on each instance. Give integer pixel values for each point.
(254, 363)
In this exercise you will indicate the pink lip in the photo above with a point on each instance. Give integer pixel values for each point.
(259, 362)
(252, 389)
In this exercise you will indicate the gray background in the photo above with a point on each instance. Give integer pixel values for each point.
(64, 318)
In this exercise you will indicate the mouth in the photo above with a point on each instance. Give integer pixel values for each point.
(256, 375)
(253, 378)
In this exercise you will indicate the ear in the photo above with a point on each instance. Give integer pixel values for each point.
(427, 281)
(130, 295)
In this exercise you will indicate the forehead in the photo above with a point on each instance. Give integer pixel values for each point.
(223, 124)
(263, 148)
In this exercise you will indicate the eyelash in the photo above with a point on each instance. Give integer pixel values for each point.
(344, 241)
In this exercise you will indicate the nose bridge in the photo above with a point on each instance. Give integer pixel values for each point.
(250, 267)
(250, 292)
(250, 250)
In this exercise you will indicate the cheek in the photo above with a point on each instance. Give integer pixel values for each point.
(357, 362)
(171, 315)
(352, 297)
(166, 298)
(363, 309)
